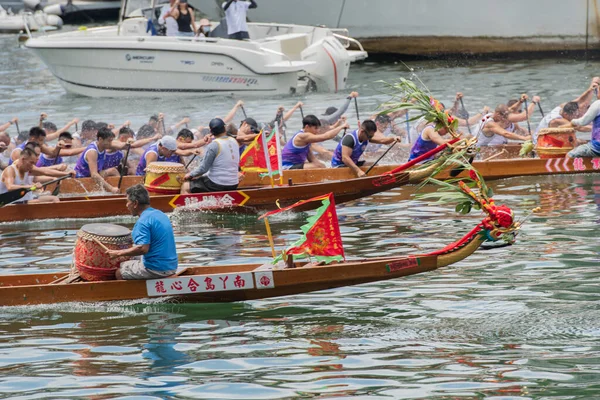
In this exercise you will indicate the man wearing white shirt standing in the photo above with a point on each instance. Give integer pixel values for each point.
(235, 12)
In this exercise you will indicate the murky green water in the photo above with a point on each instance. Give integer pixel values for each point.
(518, 322)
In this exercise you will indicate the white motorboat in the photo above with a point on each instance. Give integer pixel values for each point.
(15, 23)
(126, 60)
(77, 11)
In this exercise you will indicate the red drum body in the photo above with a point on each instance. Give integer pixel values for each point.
(555, 142)
(164, 177)
(91, 260)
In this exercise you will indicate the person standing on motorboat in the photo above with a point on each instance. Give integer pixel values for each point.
(186, 25)
(167, 20)
(235, 13)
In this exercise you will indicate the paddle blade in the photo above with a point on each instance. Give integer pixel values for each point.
(12, 196)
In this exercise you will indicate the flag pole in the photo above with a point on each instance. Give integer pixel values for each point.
(267, 158)
(278, 148)
(270, 235)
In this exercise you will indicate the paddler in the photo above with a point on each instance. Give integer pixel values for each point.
(166, 149)
(429, 139)
(353, 145)
(297, 152)
(220, 165)
(592, 148)
(20, 176)
(153, 240)
(496, 128)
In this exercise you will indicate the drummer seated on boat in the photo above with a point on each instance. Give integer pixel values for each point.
(297, 152)
(592, 148)
(20, 176)
(219, 170)
(153, 240)
(496, 128)
(353, 145)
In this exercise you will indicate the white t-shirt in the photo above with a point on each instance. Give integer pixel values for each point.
(236, 16)
(169, 22)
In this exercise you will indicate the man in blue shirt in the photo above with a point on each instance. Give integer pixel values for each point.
(153, 239)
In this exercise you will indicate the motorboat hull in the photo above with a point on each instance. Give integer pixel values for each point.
(137, 69)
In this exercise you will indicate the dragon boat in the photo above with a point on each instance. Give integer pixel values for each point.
(230, 283)
(250, 200)
(492, 169)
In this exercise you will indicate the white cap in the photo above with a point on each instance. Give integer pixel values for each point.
(168, 142)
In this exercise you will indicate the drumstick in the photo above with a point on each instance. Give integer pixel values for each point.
(106, 249)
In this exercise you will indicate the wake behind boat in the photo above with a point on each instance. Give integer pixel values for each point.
(278, 59)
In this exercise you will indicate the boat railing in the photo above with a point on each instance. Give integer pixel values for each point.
(348, 40)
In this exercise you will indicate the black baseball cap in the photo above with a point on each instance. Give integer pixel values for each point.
(216, 126)
(252, 123)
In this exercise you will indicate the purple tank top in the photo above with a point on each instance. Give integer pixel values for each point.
(595, 143)
(292, 155)
(48, 162)
(421, 147)
(111, 160)
(357, 150)
(141, 168)
(82, 167)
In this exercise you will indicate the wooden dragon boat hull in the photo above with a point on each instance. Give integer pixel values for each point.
(237, 201)
(232, 282)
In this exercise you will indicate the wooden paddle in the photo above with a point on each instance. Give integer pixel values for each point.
(379, 159)
(301, 112)
(19, 131)
(244, 112)
(540, 107)
(124, 165)
(356, 107)
(527, 115)
(14, 195)
(188, 164)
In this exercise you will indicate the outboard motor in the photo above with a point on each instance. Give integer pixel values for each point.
(332, 64)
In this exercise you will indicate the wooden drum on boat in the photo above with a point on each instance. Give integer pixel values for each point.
(555, 142)
(91, 259)
(164, 177)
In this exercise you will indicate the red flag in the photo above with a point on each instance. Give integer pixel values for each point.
(322, 239)
(263, 148)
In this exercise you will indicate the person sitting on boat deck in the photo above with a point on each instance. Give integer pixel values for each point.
(153, 241)
(496, 128)
(65, 141)
(384, 125)
(560, 117)
(236, 12)
(20, 176)
(87, 134)
(219, 170)
(167, 20)
(592, 148)
(353, 145)
(297, 153)
(38, 135)
(91, 161)
(186, 25)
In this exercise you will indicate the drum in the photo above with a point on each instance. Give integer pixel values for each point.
(555, 142)
(164, 177)
(91, 259)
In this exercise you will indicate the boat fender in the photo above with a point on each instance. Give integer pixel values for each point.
(53, 9)
(54, 20)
